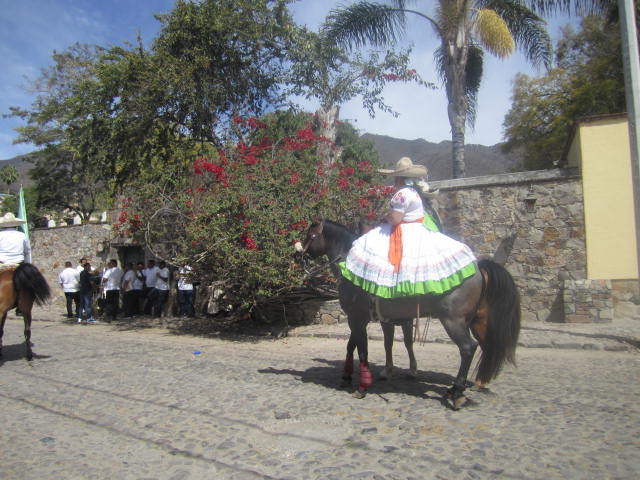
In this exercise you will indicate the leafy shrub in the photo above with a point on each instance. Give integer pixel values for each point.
(237, 214)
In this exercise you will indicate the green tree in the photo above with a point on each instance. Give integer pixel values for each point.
(219, 59)
(463, 29)
(587, 80)
(69, 169)
(8, 175)
(322, 70)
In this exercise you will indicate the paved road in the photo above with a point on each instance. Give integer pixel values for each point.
(104, 402)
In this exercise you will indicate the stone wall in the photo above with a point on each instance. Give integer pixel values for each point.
(587, 301)
(532, 222)
(52, 247)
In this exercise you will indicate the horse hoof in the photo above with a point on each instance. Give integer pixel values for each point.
(413, 372)
(386, 373)
(456, 403)
(359, 394)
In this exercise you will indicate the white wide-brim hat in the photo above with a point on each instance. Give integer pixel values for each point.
(406, 168)
(10, 220)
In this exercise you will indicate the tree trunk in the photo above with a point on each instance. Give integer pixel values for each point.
(457, 146)
(326, 126)
(457, 112)
(456, 50)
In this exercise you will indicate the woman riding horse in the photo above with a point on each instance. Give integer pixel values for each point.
(402, 258)
(401, 268)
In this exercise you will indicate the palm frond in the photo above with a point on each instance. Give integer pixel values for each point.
(494, 33)
(365, 23)
(580, 7)
(528, 30)
(473, 77)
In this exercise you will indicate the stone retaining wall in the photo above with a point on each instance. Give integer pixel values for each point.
(532, 222)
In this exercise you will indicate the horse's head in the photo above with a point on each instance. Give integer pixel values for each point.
(314, 243)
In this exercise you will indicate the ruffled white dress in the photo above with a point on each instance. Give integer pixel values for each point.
(431, 263)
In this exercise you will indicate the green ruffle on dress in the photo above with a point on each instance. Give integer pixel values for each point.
(408, 289)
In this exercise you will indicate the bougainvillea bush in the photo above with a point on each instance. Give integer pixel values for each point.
(235, 214)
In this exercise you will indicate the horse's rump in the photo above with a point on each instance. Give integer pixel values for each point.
(27, 277)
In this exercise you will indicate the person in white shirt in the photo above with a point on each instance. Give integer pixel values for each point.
(69, 279)
(161, 290)
(149, 285)
(129, 295)
(185, 291)
(111, 281)
(138, 286)
(14, 245)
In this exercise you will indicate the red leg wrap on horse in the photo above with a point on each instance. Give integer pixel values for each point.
(365, 376)
(348, 366)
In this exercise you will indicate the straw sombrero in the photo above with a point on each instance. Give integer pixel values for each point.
(10, 220)
(406, 168)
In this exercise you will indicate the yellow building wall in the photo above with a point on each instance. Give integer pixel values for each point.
(603, 147)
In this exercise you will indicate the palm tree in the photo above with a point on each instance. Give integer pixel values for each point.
(465, 29)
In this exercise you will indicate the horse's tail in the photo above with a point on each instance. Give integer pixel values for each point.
(503, 321)
(27, 277)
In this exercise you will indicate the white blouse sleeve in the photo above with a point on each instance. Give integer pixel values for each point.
(400, 201)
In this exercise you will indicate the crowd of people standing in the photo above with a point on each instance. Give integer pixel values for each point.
(134, 291)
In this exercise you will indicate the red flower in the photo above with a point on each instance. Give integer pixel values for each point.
(364, 166)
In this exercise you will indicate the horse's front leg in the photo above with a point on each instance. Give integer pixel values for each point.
(459, 333)
(347, 371)
(407, 334)
(388, 330)
(359, 334)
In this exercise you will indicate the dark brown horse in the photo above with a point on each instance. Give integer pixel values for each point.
(486, 306)
(20, 287)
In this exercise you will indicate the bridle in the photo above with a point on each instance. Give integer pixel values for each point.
(310, 238)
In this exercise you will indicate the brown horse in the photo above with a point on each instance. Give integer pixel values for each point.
(486, 306)
(20, 287)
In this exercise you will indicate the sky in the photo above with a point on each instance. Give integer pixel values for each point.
(30, 30)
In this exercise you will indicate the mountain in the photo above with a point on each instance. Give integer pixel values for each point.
(480, 160)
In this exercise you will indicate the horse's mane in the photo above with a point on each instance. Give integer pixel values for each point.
(339, 233)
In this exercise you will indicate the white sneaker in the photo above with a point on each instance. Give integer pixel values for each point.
(79, 320)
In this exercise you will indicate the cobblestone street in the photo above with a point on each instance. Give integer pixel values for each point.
(111, 401)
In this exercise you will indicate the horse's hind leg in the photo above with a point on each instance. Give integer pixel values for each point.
(27, 334)
(407, 334)
(459, 333)
(388, 330)
(25, 305)
(4, 318)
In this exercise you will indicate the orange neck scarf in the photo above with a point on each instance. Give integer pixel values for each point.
(395, 245)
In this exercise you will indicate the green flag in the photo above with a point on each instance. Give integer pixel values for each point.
(22, 213)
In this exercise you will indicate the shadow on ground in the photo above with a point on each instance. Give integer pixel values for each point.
(427, 385)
